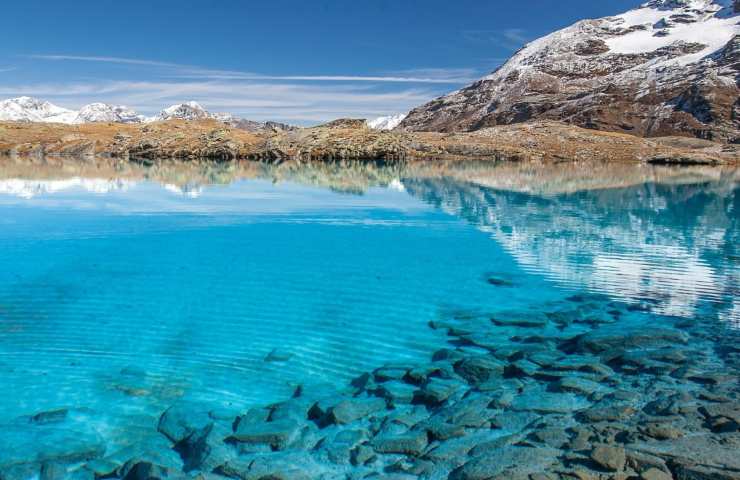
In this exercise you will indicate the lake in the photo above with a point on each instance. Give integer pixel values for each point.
(126, 289)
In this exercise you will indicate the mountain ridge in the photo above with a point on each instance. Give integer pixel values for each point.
(667, 67)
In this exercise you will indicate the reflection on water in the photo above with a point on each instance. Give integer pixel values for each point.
(662, 236)
(671, 246)
(265, 276)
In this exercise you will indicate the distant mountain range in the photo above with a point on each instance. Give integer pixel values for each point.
(28, 109)
(668, 67)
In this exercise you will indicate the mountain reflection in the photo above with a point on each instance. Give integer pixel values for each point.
(672, 247)
(662, 238)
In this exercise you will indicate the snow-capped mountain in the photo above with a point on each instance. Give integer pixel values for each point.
(102, 112)
(184, 111)
(387, 123)
(27, 109)
(667, 67)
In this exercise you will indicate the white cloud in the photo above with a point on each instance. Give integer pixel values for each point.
(189, 71)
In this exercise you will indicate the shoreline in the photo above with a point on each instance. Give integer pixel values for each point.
(352, 140)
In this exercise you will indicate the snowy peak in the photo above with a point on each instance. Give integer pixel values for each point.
(387, 123)
(184, 111)
(102, 112)
(28, 109)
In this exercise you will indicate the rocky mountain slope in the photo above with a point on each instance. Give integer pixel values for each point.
(668, 67)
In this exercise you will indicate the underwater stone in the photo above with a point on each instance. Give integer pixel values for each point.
(608, 338)
(64, 442)
(548, 402)
(409, 443)
(278, 355)
(576, 385)
(607, 414)
(609, 457)
(182, 420)
(437, 390)
(510, 461)
(479, 369)
(277, 434)
(520, 322)
(137, 470)
(205, 450)
(397, 393)
(350, 410)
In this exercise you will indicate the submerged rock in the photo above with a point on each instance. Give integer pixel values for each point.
(277, 434)
(507, 462)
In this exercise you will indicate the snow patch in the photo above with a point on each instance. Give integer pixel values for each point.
(388, 122)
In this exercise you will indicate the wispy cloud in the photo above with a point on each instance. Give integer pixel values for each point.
(7, 69)
(189, 71)
(125, 61)
(511, 38)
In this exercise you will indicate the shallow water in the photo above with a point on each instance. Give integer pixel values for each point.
(123, 292)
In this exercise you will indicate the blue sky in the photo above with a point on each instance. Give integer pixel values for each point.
(297, 61)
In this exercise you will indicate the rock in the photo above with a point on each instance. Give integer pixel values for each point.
(348, 411)
(397, 393)
(609, 414)
(409, 443)
(437, 390)
(520, 322)
(453, 452)
(389, 372)
(52, 416)
(296, 408)
(137, 470)
(362, 455)
(205, 450)
(522, 368)
(548, 402)
(722, 417)
(696, 454)
(278, 434)
(66, 442)
(278, 355)
(655, 474)
(479, 369)
(576, 385)
(511, 462)
(182, 420)
(612, 337)
(662, 432)
(339, 447)
(552, 437)
(273, 466)
(513, 422)
(609, 458)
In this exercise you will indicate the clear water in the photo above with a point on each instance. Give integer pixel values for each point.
(126, 294)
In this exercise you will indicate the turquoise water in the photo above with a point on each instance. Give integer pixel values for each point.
(125, 296)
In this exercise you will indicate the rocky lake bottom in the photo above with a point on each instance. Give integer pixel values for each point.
(460, 321)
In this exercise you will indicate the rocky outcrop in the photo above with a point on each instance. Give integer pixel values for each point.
(353, 140)
(647, 72)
